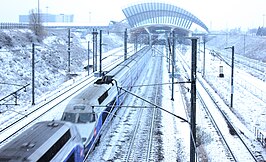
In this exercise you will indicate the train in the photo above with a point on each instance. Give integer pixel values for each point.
(45, 141)
(95, 106)
(83, 119)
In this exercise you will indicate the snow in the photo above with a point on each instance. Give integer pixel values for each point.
(248, 103)
(176, 139)
(248, 111)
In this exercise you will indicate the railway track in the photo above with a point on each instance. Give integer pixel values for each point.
(141, 142)
(230, 137)
(40, 109)
(17, 125)
(253, 88)
(130, 136)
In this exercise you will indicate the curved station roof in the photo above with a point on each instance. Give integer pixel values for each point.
(158, 17)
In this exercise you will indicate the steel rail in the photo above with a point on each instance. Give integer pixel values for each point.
(223, 114)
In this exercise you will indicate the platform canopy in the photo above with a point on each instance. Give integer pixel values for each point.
(158, 17)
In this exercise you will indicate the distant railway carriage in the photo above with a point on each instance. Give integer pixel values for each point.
(45, 141)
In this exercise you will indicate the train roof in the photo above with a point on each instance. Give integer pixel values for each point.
(88, 97)
(127, 62)
(28, 142)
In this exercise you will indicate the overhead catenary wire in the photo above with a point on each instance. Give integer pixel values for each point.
(146, 85)
(156, 106)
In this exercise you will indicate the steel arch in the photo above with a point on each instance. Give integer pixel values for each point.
(154, 13)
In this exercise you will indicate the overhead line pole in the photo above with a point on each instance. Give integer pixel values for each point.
(88, 67)
(68, 50)
(193, 95)
(33, 74)
(94, 40)
(173, 65)
(125, 44)
(232, 76)
(204, 53)
(101, 45)
(193, 100)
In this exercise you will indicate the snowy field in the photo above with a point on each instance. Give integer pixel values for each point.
(249, 108)
(248, 112)
(50, 66)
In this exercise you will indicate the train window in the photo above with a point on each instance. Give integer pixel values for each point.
(103, 97)
(71, 117)
(86, 117)
(83, 117)
(56, 147)
(71, 158)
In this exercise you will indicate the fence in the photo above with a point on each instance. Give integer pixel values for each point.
(13, 26)
(260, 136)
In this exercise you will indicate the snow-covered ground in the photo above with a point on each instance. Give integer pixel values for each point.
(51, 62)
(175, 133)
(249, 106)
(51, 65)
(249, 102)
(250, 46)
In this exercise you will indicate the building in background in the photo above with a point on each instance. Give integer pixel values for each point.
(48, 18)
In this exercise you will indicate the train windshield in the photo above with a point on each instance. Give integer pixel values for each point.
(71, 117)
(86, 117)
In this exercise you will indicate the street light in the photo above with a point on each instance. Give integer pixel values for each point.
(232, 74)
(39, 12)
(263, 20)
(47, 17)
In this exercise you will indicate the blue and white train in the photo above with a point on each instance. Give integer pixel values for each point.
(45, 141)
(95, 106)
(70, 139)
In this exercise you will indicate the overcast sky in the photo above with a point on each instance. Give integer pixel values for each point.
(216, 14)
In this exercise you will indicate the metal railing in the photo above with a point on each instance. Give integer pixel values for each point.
(13, 26)
(8, 25)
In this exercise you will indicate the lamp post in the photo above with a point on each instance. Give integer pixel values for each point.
(232, 74)
(38, 12)
(47, 17)
(263, 20)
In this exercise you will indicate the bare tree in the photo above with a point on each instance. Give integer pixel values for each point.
(35, 23)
